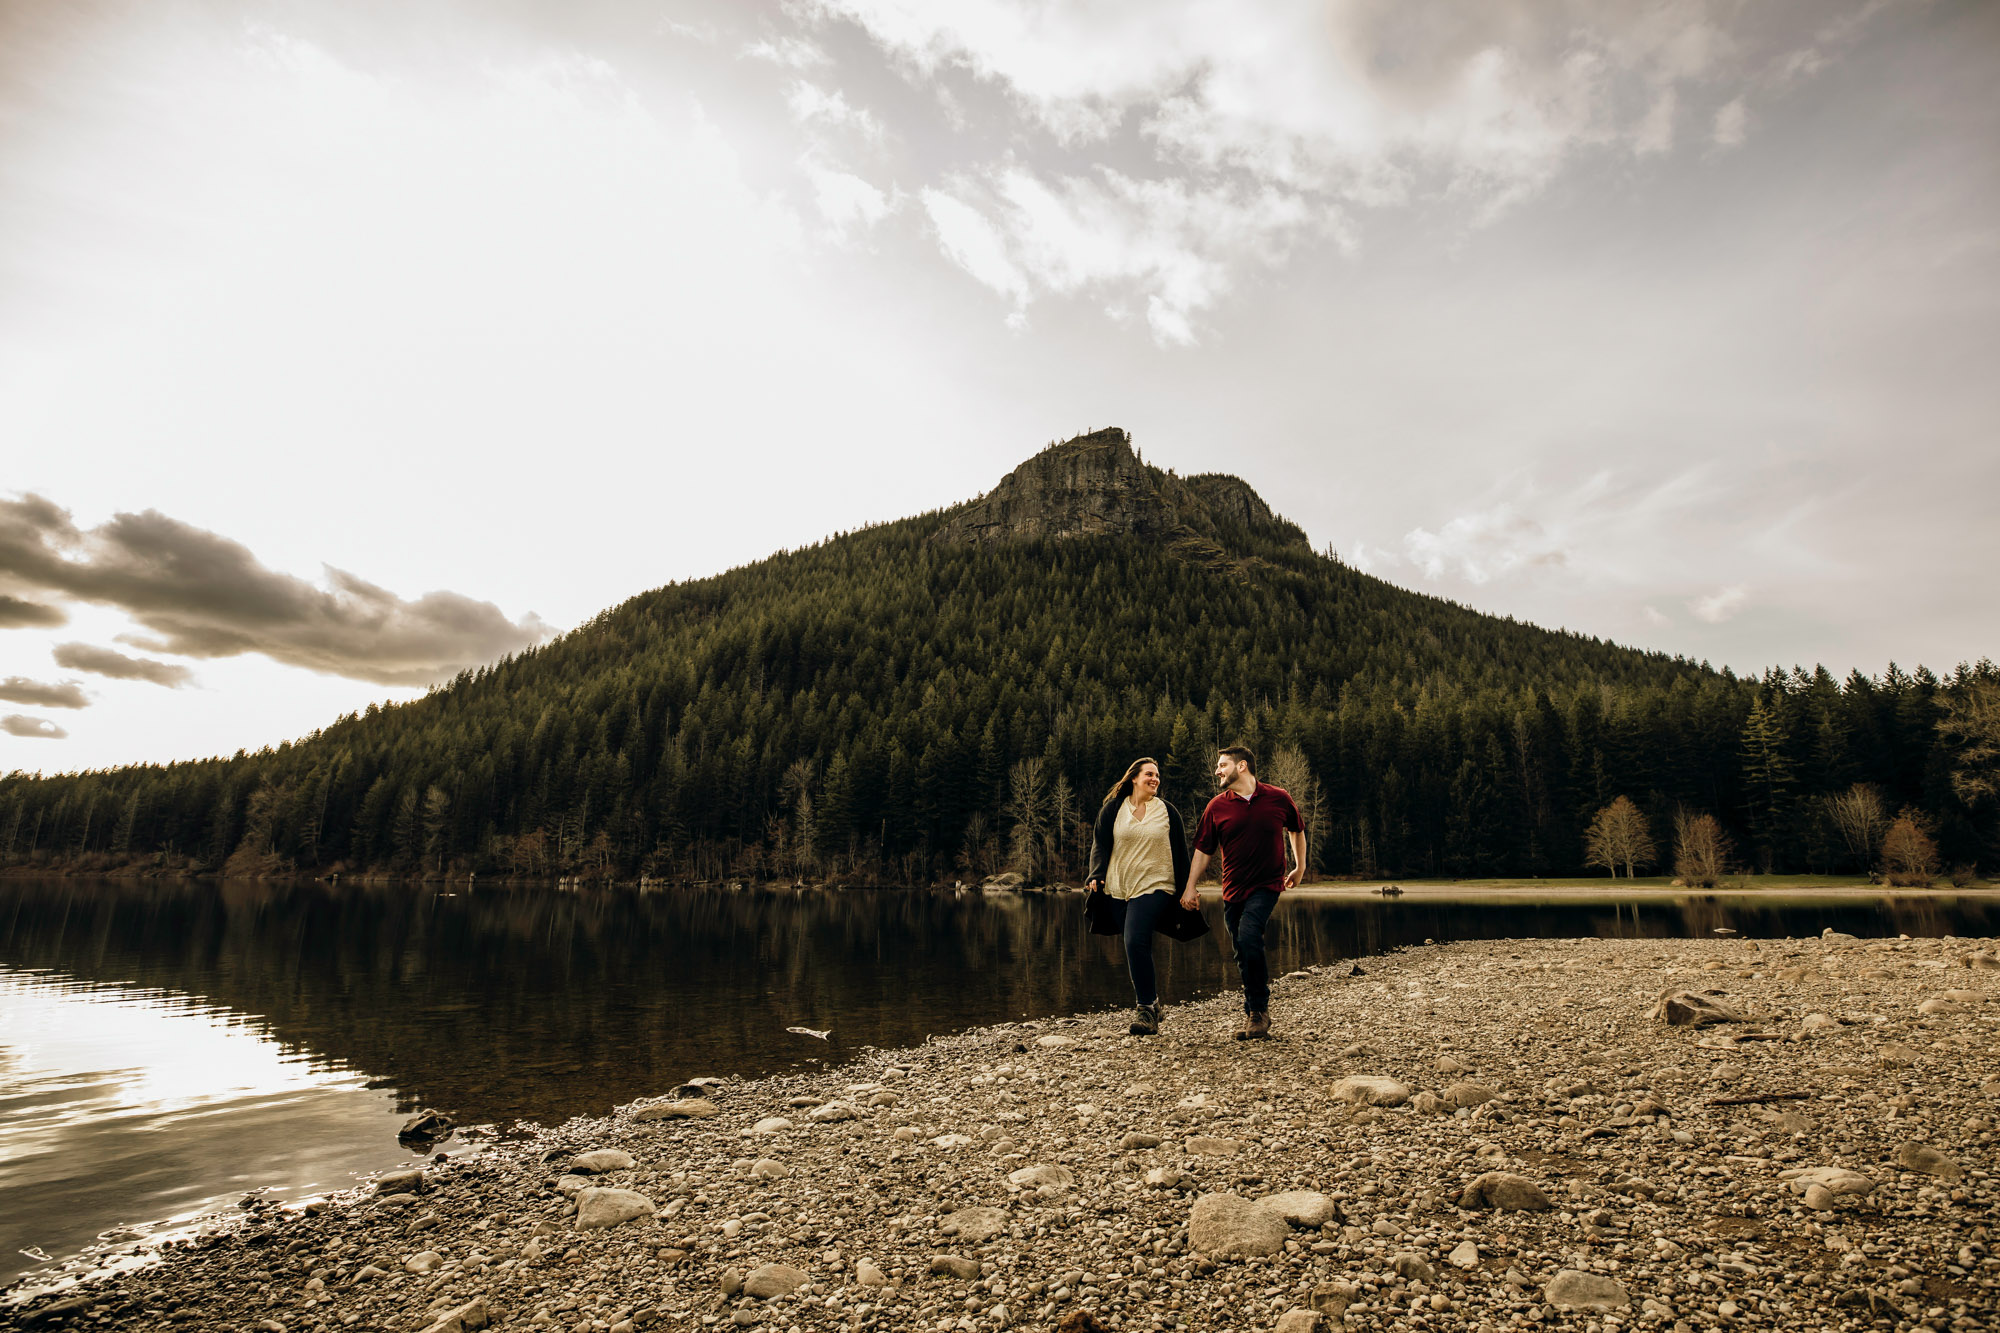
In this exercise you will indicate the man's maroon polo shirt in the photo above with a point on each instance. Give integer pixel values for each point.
(1251, 834)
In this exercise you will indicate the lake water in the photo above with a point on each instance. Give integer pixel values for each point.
(171, 1049)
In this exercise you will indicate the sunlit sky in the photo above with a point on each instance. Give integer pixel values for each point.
(346, 344)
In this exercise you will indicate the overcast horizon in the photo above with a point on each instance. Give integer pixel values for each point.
(343, 346)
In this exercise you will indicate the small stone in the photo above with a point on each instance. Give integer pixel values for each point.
(1163, 1178)
(603, 1159)
(471, 1315)
(772, 1124)
(768, 1280)
(688, 1108)
(867, 1274)
(400, 1182)
(1465, 1256)
(1818, 1022)
(769, 1168)
(1229, 1226)
(422, 1262)
(1333, 1299)
(1837, 1179)
(1818, 1197)
(952, 1141)
(1505, 1191)
(1054, 1042)
(1061, 1177)
(1429, 1103)
(955, 1265)
(1585, 1291)
(597, 1209)
(1139, 1142)
(1928, 1160)
(1300, 1319)
(1370, 1090)
(1302, 1208)
(974, 1225)
(732, 1283)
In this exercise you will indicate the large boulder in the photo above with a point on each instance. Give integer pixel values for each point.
(600, 1208)
(1371, 1090)
(1832, 1179)
(1229, 1226)
(1686, 1008)
(768, 1280)
(1302, 1208)
(974, 1225)
(1585, 1291)
(686, 1108)
(1031, 1177)
(601, 1160)
(1505, 1191)
(1920, 1157)
(1469, 1094)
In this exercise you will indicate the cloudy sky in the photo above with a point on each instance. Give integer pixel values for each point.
(344, 344)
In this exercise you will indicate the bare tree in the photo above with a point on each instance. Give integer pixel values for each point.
(1971, 726)
(1857, 815)
(1619, 835)
(1287, 768)
(1909, 856)
(1701, 850)
(1028, 807)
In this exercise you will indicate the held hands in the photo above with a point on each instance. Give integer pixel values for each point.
(1191, 900)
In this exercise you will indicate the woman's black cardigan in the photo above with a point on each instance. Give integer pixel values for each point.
(1100, 843)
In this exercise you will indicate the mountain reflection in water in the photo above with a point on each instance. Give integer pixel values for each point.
(166, 1045)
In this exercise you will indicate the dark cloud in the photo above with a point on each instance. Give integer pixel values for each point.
(17, 614)
(110, 662)
(21, 690)
(20, 724)
(203, 595)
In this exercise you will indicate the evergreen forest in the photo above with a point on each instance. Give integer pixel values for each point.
(888, 708)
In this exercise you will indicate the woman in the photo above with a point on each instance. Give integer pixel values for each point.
(1139, 853)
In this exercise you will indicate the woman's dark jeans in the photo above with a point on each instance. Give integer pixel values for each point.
(1245, 918)
(1142, 916)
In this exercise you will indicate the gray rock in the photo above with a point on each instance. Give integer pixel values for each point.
(955, 1265)
(1585, 1291)
(400, 1182)
(1685, 1008)
(768, 1280)
(1060, 1177)
(1505, 1191)
(1301, 1319)
(732, 1282)
(831, 1112)
(866, 1274)
(600, 1208)
(1465, 1256)
(1302, 1208)
(769, 1168)
(1163, 1178)
(1413, 1267)
(603, 1159)
(471, 1315)
(1469, 1094)
(1333, 1299)
(1819, 1198)
(772, 1124)
(687, 1108)
(1928, 1160)
(1836, 1179)
(422, 1262)
(1138, 1142)
(1229, 1226)
(974, 1225)
(1429, 1103)
(1371, 1090)
(1207, 1145)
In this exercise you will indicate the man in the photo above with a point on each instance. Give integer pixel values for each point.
(1249, 823)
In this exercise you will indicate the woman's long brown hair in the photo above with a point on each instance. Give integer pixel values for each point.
(1123, 787)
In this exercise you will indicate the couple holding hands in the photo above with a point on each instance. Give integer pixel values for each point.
(1140, 856)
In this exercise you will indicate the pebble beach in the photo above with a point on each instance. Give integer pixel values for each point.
(1595, 1134)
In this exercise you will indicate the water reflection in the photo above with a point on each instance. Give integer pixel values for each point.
(168, 1045)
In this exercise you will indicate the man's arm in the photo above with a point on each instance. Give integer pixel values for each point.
(1197, 867)
(1298, 871)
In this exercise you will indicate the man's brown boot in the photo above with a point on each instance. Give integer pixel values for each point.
(1256, 1026)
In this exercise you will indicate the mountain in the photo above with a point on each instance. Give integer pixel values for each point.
(947, 695)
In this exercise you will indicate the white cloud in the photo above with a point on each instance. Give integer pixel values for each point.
(1655, 618)
(844, 199)
(813, 104)
(975, 245)
(1483, 546)
(1720, 605)
(788, 52)
(1730, 124)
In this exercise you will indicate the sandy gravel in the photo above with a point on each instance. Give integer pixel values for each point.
(1547, 1151)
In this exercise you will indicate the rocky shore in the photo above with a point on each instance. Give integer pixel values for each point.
(1594, 1134)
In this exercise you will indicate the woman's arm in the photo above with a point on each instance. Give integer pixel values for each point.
(1100, 846)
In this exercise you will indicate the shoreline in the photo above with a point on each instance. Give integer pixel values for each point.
(1013, 1174)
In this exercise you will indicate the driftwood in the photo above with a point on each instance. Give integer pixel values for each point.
(1755, 1097)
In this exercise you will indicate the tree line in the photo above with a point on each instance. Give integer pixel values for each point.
(884, 708)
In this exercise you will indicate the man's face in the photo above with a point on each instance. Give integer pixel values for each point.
(1227, 770)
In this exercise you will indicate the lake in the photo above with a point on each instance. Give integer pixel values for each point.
(171, 1050)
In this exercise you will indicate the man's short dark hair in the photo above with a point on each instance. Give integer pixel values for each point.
(1241, 754)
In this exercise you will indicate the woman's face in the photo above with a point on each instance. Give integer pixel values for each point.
(1147, 783)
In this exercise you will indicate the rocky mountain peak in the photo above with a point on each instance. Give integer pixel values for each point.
(1095, 485)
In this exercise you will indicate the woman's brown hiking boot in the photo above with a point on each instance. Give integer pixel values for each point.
(1145, 1021)
(1256, 1026)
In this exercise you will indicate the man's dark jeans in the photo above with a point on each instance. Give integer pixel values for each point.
(1245, 918)
(1142, 916)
